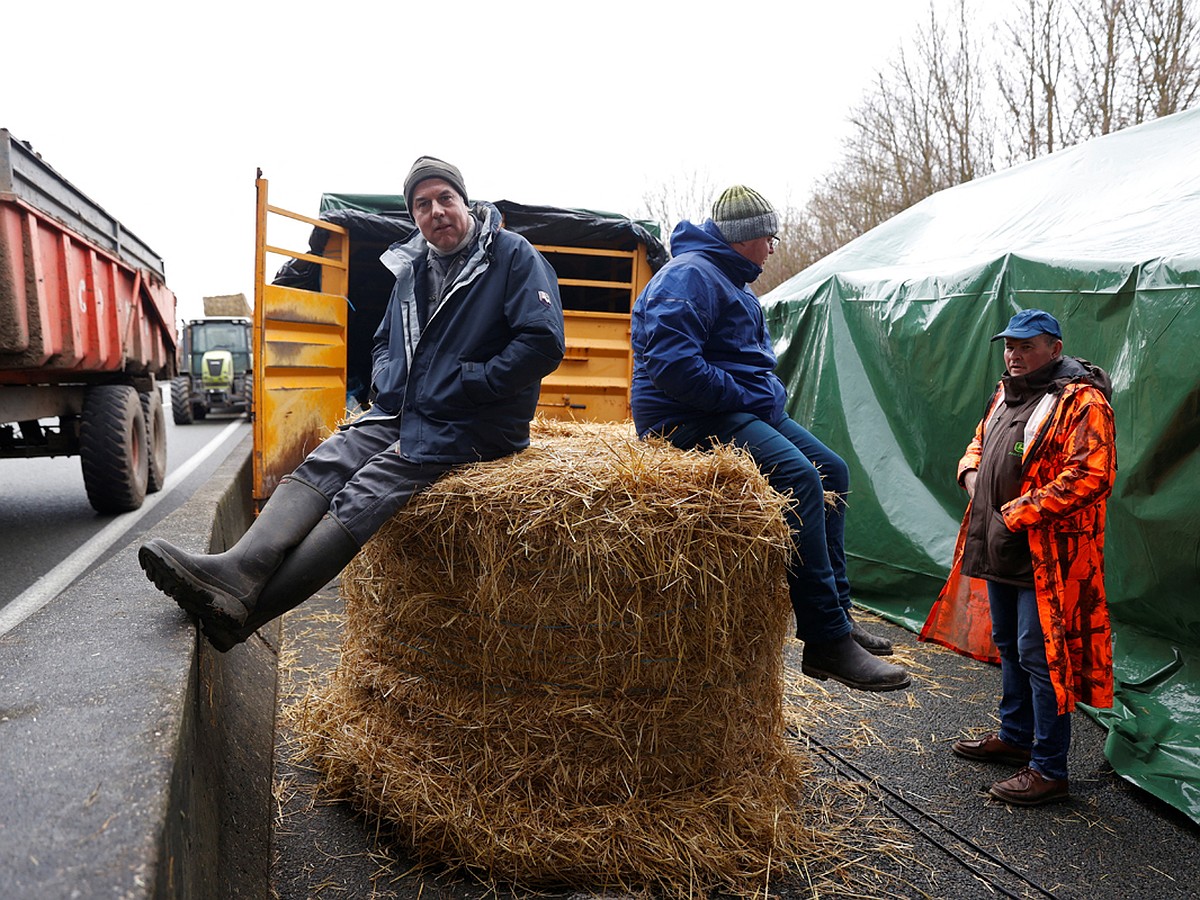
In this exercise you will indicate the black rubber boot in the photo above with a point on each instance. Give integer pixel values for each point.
(845, 661)
(306, 569)
(221, 588)
(872, 643)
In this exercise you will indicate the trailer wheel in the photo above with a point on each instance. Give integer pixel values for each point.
(112, 448)
(156, 439)
(181, 400)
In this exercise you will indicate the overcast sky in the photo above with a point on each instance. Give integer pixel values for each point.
(161, 113)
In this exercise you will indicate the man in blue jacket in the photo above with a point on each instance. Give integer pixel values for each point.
(704, 373)
(473, 324)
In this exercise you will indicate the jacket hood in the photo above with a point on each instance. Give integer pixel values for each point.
(706, 239)
(1076, 369)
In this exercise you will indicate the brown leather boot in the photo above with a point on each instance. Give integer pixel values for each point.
(990, 748)
(1029, 787)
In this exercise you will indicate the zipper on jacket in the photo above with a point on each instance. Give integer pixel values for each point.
(484, 265)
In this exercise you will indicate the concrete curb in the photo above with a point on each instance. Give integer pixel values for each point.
(135, 761)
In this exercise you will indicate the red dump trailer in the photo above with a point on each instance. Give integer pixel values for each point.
(86, 333)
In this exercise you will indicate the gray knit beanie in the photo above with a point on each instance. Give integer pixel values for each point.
(743, 214)
(427, 167)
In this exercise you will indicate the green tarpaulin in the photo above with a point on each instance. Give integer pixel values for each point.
(884, 346)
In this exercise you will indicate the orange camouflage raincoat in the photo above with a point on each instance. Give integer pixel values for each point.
(1069, 470)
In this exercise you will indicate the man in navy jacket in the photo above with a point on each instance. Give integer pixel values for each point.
(704, 373)
(473, 324)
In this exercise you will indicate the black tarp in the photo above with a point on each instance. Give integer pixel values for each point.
(376, 221)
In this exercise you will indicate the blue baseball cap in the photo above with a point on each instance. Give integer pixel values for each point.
(1030, 323)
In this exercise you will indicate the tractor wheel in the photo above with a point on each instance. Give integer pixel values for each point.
(156, 439)
(112, 447)
(249, 391)
(181, 400)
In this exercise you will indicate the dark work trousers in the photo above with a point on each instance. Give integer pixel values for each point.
(361, 470)
(794, 460)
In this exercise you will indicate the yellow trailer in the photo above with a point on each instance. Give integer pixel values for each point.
(316, 318)
(598, 287)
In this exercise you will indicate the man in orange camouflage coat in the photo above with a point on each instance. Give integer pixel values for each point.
(1027, 584)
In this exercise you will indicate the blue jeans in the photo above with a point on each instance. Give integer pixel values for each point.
(793, 460)
(1028, 708)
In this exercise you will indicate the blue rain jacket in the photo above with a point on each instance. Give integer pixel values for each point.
(464, 381)
(700, 341)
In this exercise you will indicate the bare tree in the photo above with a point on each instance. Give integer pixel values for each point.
(688, 195)
(1099, 69)
(1165, 37)
(1063, 71)
(921, 128)
(1028, 79)
(967, 131)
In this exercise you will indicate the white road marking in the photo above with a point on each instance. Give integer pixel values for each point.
(56, 581)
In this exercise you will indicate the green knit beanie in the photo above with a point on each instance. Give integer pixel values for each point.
(743, 214)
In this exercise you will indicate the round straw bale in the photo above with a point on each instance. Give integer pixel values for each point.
(564, 667)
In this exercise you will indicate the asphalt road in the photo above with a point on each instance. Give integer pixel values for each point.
(50, 531)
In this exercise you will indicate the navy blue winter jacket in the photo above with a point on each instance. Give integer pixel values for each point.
(464, 382)
(700, 341)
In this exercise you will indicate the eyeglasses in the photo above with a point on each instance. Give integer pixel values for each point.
(773, 241)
